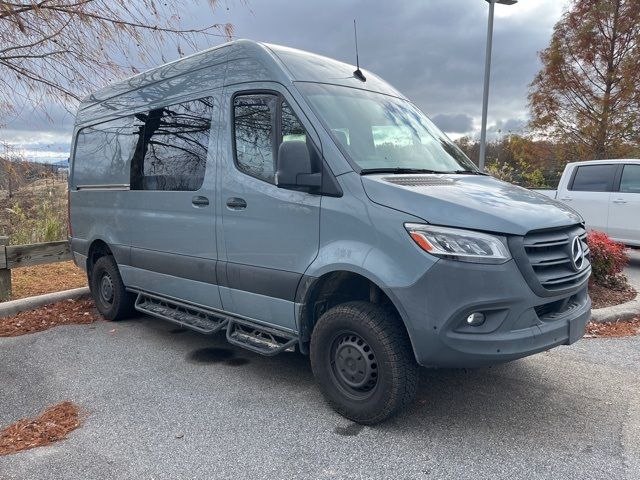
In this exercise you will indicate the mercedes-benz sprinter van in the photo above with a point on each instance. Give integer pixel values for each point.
(276, 196)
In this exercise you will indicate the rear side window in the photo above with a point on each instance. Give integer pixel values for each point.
(593, 178)
(630, 181)
(172, 153)
(103, 152)
(261, 123)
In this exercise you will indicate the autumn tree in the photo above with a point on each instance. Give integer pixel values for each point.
(61, 49)
(587, 92)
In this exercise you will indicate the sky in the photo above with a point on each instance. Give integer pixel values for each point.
(431, 50)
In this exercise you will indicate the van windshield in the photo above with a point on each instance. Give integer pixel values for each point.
(383, 133)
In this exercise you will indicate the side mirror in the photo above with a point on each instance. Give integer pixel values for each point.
(294, 167)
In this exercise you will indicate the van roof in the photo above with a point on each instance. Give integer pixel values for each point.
(238, 61)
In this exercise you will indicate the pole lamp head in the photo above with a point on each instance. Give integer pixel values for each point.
(503, 2)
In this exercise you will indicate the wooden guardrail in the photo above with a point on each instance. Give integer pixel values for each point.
(16, 256)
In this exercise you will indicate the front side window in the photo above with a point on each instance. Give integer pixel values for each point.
(254, 126)
(172, 153)
(378, 131)
(290, 127)
(593, 178)
(630, 181)
(261, 123)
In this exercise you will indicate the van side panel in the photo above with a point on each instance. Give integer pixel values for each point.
(370, 240)
(98, 188)
(173, 243)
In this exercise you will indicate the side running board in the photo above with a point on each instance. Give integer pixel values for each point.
(243, 333)
(190, 316)
(259, 338)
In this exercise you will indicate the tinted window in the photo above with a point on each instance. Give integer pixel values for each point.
(172, 153)
(255, 117)
(630, 181)
(103, 152)
(593, 178)
(254, 120)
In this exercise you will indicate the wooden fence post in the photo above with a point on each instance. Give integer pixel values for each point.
(5, 273)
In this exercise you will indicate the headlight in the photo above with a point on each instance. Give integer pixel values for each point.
(461, 245)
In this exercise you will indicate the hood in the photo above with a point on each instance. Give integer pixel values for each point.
(469, 201)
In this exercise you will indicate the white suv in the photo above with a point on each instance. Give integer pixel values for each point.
(607, 194)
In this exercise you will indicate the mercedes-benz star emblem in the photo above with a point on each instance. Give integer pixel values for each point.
(577, 254)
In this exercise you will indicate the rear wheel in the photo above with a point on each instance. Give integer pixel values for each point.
(362, 358)
(111, 298)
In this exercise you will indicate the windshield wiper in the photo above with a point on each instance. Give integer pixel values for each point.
(398, 170)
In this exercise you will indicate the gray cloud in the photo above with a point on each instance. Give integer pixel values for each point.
(432, 51)
(459, 123)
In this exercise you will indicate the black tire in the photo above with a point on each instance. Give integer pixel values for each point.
(362, 358)
(111, 299)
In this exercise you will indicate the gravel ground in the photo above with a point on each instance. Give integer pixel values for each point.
(164, 403)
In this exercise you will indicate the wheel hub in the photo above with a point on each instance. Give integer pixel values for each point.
(354, 363)
(106, 288)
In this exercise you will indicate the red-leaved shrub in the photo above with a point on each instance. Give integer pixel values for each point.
(608, 258)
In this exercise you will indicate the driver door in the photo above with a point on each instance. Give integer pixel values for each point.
(268, 236)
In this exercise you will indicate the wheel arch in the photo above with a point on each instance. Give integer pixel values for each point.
(316, 295)
(97, 248)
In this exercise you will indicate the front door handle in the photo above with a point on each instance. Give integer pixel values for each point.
(200, 201)
(235, 203)
(619, 201)
(566, 199)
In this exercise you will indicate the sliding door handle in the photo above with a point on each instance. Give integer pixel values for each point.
(200, 201)
(235, 203)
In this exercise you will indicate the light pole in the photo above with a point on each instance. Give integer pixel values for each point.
(487, 75)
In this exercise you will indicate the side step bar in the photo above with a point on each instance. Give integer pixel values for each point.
(258, 338)
(190, 316)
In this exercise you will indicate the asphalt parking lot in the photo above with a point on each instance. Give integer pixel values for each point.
(573, 412)
(633, 269)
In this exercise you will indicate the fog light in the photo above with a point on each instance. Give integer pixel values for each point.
(475, 319)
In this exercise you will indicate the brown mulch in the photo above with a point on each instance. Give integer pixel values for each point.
(608, 296)
(614, 329)
(52, 277)
(81, 311)
(52, 425)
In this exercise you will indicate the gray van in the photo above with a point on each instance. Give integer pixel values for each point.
(279, 197)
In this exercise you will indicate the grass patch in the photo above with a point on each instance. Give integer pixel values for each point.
(36, 213)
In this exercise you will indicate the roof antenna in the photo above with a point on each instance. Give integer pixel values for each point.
(358, 73)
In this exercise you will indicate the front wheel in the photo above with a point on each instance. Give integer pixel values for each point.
(109, 294)
(362, 358)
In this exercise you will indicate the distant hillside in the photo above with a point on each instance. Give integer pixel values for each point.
(15, 174)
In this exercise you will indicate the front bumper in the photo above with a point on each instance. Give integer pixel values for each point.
(518, 322)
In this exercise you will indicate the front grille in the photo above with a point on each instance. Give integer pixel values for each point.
(549, 253)
(553, 310)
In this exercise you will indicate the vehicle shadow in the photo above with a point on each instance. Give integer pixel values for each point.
(520, 396)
